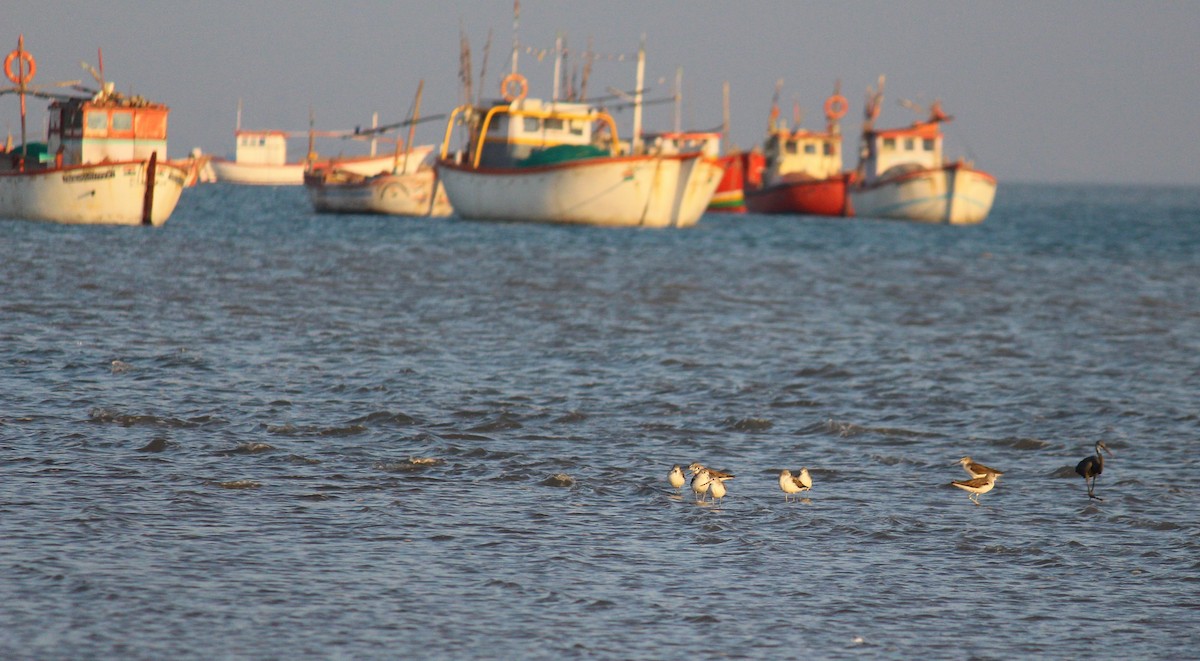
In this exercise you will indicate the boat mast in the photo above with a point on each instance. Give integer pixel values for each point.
(516, 43)
(679, 100)
(636, 143)
(558, 56)
(412, 127)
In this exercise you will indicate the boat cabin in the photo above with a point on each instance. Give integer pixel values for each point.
(918, 147)
(803, 155)
(261, 147)
(111, 128)
(670, 144)
(524, 132)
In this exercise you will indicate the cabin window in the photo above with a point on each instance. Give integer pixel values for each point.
(97, 121)
(532, 124)
(554, 124)
(576, 127)
(122, 121)
(810, 148)
(928, 144)
(908, 144)
(889, 144)
(829, 150)
(790, 147)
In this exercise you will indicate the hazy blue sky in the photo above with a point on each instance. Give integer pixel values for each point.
(1060, 91)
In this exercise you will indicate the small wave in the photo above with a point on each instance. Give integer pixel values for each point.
(312, 430)
(239, 484)
(385, 418)
(571, 417)
(747, 424)
(248, 448)
(155, 445)
(103, 415)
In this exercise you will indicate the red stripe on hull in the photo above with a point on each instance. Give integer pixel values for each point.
(823, 197)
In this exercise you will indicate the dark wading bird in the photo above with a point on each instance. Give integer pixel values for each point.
(1091, 468)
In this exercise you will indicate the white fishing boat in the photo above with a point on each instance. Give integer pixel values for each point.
(903, 174)
(562, 162)
(103, 162)
(260, 159)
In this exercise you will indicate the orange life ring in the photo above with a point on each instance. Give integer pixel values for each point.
(17, 76)
(509, 80)
(836, 106)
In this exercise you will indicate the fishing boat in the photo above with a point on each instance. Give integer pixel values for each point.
(260, 159)
(801, 172)
(562, 162)
(903, 174)
(103, 162)
(409, 188)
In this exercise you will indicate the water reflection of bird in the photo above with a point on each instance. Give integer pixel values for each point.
(1091, 468)
(977, 486)
(975, 469)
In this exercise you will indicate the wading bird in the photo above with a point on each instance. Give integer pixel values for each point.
(976, 469)
(676, 478)
(977, 486)
(1091, 468)
(794, 483)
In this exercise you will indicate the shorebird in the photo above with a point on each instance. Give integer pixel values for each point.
(700, 480)
(977, 486)
(703, 477)
(794, 483)
(718, 489)
(676, 478)
(1091, 468)
(975, 469)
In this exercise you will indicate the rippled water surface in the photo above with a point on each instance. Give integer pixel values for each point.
(261, 433)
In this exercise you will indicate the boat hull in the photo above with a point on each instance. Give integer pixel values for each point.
(812, 197)
(417, 194)
(621, 191)
(954, 195)
(104, 194)
(729, 197)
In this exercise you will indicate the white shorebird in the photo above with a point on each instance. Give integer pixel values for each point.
(792, 484)
(676, 478)
(977, 486)
(702, 478)
(975, 469)
(1091, 468)
(718, 489)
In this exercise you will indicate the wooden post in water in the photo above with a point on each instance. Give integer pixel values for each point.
(148, 199)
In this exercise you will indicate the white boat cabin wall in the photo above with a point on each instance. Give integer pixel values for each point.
(84, 131)
(515, 131)
(261, 148)
(915, 148)
(802, 154)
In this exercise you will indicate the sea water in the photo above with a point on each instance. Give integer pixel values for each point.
(259, 432)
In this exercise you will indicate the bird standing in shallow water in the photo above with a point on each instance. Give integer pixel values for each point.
(977, 486)
(976, 469)
(718, 489)
(700, 480)
(794, 483)
(1091, 468)
(676, 478)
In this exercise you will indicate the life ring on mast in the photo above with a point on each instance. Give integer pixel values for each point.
(18, 77)
(836, 106)
(509, 80)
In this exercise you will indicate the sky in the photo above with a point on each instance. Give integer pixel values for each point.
(1055, 91)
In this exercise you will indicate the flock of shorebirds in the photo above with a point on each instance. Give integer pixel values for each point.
(707, 481)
